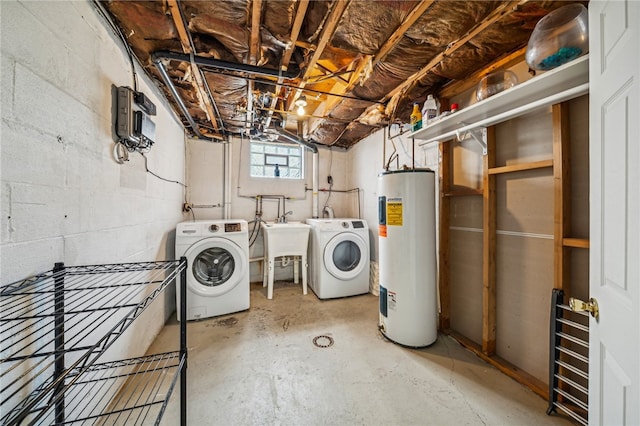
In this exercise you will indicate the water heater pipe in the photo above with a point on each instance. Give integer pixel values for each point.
(314, 187)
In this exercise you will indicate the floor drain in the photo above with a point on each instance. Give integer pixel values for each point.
(322, 341)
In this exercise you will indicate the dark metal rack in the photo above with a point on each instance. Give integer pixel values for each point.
(56, 329)
(568, 360)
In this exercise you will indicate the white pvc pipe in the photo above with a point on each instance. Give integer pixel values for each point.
(314, 187)
(226, 196)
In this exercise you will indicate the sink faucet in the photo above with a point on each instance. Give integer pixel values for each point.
(283, 218)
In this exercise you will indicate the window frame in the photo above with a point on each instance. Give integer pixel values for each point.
(270, 159)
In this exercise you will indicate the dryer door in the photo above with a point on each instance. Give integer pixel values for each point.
(344, 255)
(216, 266)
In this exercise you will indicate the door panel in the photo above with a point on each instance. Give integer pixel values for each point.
(614, 340)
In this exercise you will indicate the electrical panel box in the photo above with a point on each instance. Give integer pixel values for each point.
(134, 126)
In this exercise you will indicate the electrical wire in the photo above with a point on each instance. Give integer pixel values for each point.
(410, 156)
(123, 39)
(185, 153)
(160, 177)
(326, 202)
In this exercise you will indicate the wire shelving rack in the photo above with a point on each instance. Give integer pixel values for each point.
(56, 329)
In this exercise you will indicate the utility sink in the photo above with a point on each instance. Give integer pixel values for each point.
(285, 239)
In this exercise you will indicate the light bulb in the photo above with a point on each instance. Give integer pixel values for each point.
(301, 102)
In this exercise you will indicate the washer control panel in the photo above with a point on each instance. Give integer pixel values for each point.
(232, 227)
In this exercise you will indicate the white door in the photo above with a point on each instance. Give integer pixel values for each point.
(614, 343)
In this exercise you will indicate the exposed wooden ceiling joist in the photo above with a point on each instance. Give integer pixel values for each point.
(254, 45)
(504, 9)
(472, 80)
(339, 7)
(391, 42)
(333, 101)
(357, 52)
(301, 11)
(197, 82)
(254, 50)
(397, 35)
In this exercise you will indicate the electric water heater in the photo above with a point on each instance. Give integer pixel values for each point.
(407, 256)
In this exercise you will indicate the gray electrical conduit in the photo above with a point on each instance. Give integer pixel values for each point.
(157, 61)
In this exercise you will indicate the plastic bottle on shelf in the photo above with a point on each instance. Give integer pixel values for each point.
(430, 109)
(416, 118)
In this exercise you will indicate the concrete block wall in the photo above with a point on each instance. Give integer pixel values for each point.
(64, 198)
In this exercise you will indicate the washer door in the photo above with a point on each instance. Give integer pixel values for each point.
(344, 255)
(216, 266)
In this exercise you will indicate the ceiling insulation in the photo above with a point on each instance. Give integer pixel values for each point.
(359, 64)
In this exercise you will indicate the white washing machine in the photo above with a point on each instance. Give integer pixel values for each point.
(339, 257)
(217, 253)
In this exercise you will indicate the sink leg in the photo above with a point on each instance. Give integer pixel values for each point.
(265, 271)
(296, 270)
(304, 274)
(270, 279)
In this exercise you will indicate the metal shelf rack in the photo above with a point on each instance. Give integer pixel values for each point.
(56, 329)
(568, 360)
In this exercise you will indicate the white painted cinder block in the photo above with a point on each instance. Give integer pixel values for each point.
(28, 156)
(22, 260)
(63, 196)
(35, 49)
(40, 211)
(39, 104)
(6, 88)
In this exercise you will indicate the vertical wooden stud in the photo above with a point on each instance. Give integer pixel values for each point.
(443, 254)
(489, 248)
(562, 196)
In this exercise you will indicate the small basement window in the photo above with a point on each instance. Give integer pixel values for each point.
(267, 156)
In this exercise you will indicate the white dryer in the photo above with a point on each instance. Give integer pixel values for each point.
(339, 257)
(217, 253)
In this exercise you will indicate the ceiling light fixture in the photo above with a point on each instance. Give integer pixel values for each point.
(301, 102)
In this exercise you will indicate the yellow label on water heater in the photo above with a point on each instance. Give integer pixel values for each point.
(394, 211)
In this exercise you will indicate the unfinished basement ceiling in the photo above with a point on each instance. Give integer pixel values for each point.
(239, 66)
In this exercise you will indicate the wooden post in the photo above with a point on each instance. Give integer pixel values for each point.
(489, 247)
(562, 196)
(443, 254)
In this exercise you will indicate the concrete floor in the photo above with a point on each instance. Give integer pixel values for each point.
(261, 367)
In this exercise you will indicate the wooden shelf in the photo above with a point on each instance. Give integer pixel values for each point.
(520, 167)
(576, 242)
(566, 82)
